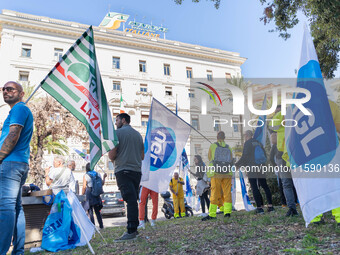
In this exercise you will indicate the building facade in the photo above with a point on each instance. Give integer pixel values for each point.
(133, 67)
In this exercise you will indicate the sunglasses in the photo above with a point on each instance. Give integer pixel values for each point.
(9, 89)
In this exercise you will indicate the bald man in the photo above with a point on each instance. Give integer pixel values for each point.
(14, 155)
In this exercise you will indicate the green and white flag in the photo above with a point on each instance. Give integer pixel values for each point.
(75, 82)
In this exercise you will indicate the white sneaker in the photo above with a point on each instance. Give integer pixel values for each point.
(202, 215)
(152, 223)
(141, 225)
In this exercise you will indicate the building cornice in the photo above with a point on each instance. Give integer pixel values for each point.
(118, 38)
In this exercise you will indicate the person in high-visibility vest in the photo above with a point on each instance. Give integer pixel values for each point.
(176, 187)
(336, 118)
(220, 181)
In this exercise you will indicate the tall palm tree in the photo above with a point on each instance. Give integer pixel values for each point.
(239, 82)
(56, 146)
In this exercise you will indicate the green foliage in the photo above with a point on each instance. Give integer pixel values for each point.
(324, 18)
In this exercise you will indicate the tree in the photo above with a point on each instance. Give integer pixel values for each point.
(52, 124)
(324, 24)
(216, 2)
(237, 81)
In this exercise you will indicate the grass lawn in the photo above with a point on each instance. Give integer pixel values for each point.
(243, 233)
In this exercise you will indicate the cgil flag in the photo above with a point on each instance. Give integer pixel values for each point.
(261, 130)
(75, 82)
(165, 139)
(313, 143)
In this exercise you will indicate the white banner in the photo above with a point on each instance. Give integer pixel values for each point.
(165, 139)
(312, 145)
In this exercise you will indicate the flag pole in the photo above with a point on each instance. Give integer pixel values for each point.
(29, 98)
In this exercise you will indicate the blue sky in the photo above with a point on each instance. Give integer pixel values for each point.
(235, 26)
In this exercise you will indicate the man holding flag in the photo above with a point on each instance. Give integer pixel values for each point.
(128, 156)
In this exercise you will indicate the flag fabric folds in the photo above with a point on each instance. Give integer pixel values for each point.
(75, 82)
(246, 201)
(165, 139)
(80, 218)
(313, 143)
(261, 130)
(184, 166)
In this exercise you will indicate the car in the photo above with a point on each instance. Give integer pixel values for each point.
(113, 203)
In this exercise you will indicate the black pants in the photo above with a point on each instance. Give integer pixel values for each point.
(282, 195)
(96, 209)
(128, 183)
(205, 200)
(256, 193)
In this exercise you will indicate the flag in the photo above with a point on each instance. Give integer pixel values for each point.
(121, 106)
(75, 82)
(261, 130)
(246, 201)
(313, 142)
(165, 139)
(80, 218)
(86, 157)
(184, 164)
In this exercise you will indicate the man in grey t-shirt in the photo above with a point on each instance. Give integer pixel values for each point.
(128, 156)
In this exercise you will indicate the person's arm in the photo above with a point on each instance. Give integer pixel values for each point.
(47, 177)
(104, 177)
(142, 148)
(10, 141)
(142, 153)
(113, 154)
(180, 181)
(84, 185)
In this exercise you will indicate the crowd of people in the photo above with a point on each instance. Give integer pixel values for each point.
(127, 156)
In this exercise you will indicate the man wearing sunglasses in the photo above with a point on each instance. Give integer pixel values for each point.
(14, 155)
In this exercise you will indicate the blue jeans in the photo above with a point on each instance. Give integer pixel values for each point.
(287, 185)
(12, 219)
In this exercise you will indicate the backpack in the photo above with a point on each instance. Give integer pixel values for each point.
(222, 159)
(97, 185)
(259, 153)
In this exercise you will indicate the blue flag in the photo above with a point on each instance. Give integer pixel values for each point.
(261, 130)
(313, 143)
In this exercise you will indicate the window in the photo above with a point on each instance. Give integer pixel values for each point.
(168, 91)
(191, 93)
(115, 62)
(195, 122)
(227, 76)
(166, 69)
(26, 50)
(116, 85)
(142, 66)
(235, 126)
(143, 88)
(189, 72)
(209, 75)
(58, 54)
(145, 119)
(217, 126)
(23, 76)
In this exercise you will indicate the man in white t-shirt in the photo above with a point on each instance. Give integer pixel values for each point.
(59, 177)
